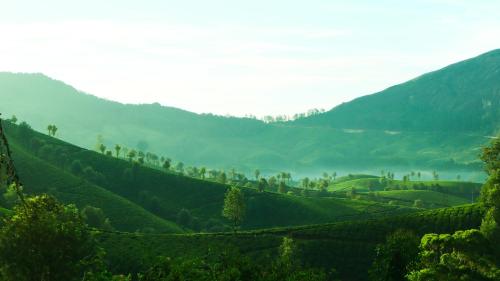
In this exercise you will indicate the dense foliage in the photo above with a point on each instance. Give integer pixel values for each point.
(394, 258)
(472, 254)
(45, 240)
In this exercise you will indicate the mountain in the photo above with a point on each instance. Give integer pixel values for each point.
(435, 122)
(463, 97)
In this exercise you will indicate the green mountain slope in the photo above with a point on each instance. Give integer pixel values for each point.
(164, 194)
(461, 97)
(437, 121)
(40, 177)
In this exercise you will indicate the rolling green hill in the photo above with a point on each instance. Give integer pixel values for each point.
(429, 198)
(437, 121)
(347, 246)
(41, 177)
(366, 184)
(49, 165)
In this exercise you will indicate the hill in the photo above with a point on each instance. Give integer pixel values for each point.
(41, 177)
(461, 97)
(84, 177)
(437, 121)
(348, 247)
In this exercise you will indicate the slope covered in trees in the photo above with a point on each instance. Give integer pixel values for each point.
(461, 97)
(76, 175)
(436, 121)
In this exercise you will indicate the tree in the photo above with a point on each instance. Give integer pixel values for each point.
(272, 182)
(117, 150)
(262, 184)
(334, 175)
(305, 182)
(179, 167)
(102, 148)
(471, 254)
(141, 154)
(435, 175)
(49, 129)
(54, 130)
(282, 187)
(394, 257)
(131, 155)
(324, 185)
(464, 255)
(95, 217)
(184, 218)
(167, 164)
(222, 178)
(45, 240)
(490, 195)
(76, 167)
(257, 174)
(203, 172)
(234, 207)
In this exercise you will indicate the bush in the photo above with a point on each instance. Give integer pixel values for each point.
(95, 217)
(45, 240)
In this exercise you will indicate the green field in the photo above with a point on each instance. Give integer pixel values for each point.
(428, 197)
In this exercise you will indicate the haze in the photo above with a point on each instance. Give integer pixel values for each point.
(237, 57)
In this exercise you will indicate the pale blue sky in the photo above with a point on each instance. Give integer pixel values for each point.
(241, 57)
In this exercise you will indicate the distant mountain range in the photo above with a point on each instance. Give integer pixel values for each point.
(463, 97)
(436, 121)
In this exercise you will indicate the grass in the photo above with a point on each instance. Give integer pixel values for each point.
(429, 198)
(366, 184)
(361, 184)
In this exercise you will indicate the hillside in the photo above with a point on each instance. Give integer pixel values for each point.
(463, 97)
(436, 121)
(48, 165)
(41, 177)
(348, 247)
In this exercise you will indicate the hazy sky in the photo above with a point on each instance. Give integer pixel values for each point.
(239, 57)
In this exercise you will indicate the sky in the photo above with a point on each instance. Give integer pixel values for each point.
(260, 57)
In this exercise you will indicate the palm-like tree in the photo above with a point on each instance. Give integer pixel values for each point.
(203, 171)
(117, 150)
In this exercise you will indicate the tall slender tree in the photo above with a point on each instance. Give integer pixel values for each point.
(117, 150)
(234, 207)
